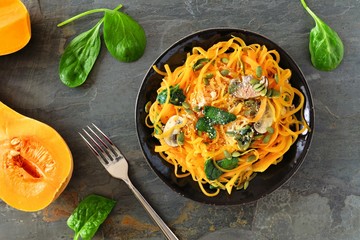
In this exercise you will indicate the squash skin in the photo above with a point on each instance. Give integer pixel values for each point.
(33, 179)
(15, 26)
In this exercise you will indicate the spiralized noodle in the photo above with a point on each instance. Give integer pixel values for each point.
(209, 85)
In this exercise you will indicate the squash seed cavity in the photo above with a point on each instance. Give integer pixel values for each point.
(29, 158)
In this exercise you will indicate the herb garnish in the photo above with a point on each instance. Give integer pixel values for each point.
(212, 116)
(177, 96)
(213, 173)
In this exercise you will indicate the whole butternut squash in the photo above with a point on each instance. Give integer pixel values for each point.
(15, 27)
(35, 162)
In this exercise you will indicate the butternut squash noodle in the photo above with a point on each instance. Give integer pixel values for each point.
(226, 114)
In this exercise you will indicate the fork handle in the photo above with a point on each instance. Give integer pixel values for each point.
(157, 219)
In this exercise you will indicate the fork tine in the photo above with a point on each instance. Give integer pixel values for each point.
(113, 146)
(111, 154)
(96, 152)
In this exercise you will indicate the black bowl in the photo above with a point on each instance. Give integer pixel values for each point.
(264, 183)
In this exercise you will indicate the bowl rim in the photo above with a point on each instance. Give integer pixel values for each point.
(309, 99)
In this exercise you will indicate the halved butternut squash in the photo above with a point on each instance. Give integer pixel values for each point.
(35, 162)
(15, 27)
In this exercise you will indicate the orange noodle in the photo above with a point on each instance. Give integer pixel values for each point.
(227, 113)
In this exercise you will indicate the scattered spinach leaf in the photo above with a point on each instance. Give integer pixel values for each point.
(124, 38)
(79, 57)
(89, 215)
(325, 45)
(177, 96)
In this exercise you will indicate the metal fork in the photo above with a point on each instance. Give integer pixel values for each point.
(115, 163)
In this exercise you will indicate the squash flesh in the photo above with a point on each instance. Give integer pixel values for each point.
(37, 169)
(15, 27)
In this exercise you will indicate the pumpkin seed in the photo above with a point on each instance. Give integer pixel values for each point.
(266, 139)
(269, 92)
(186, 105)
(251, 158)
(227, 155)
(258, 87)
(197, 109)
(200, 63)
(189, 111)
(252, 176)
(209, 75)
(224, 60)
(258, 71)
(180, 138)
(15, 141)
(263, 92)
(254, 81)
(248, 112)
(239, 187)
(147, 107)
(246, 184)
(236, 154)
(14, 153)
(270, 130)
(224, 72)
(275, 93)
(257, 137)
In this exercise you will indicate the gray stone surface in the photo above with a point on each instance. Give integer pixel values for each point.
(322, 200)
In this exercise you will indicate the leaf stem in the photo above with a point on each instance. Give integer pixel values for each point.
(304, 3)
(312, 14)
(87, 13)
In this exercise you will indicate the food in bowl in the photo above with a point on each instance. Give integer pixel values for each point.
(226, 114)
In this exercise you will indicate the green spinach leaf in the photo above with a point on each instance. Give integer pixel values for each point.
(205, 124)
(213, 115)
(325, 45)
(211, 172)
(89, 215)
(124, 38)
(79, 57)
(228, 163)
(218, 116)
(177, 96)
